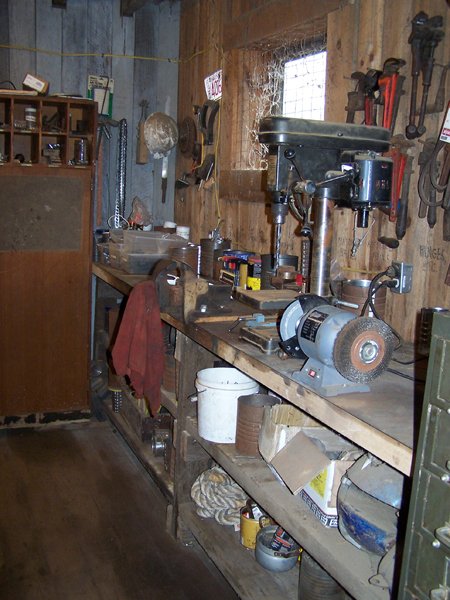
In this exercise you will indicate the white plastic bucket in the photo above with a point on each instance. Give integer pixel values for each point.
(218, 391)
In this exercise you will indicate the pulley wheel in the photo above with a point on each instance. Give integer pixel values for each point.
(363, 349)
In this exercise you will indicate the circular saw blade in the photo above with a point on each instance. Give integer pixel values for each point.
(363, 349)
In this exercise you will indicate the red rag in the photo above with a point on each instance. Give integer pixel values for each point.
(138, 351)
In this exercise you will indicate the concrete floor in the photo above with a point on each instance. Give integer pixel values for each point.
(80, 518)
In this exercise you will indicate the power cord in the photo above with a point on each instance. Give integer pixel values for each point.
(10, 83)
(373, 289)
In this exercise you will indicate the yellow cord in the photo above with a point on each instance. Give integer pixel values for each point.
(102, 54)
(216, 156)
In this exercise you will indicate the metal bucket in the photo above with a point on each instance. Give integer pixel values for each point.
(218, 390)
(355, 291)
(316, 584)
(250, 414)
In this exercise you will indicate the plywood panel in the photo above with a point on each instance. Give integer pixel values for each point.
(4, 39)
(45, 306)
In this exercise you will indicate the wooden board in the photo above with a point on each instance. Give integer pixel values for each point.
(267, 299)
(45, 299)
(248, 578)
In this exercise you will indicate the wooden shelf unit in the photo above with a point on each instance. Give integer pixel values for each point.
(62, 123)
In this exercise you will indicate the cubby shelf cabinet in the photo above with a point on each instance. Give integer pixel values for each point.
(48, 130)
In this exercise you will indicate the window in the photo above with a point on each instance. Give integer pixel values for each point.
(304, 86)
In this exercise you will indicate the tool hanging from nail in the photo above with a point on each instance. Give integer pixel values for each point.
(424, 38)
(377, 88)
(390, 85)
(141, 148)
(399, 154)
(434, 161)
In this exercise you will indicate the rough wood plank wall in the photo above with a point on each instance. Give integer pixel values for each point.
(360, 35)
(97, 27)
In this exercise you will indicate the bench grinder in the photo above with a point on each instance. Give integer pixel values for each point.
(345, 352)
(334, 163)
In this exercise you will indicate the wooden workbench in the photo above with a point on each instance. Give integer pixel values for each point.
(380, 421)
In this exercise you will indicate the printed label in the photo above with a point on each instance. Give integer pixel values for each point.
(312, 325)
(213, 85)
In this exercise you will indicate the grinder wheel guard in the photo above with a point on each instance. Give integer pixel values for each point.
(363, 349)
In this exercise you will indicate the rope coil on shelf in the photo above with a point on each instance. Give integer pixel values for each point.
(217, 496)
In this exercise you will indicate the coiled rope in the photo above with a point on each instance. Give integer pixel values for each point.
(217, 496)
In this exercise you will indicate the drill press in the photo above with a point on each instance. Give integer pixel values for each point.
(333, 163)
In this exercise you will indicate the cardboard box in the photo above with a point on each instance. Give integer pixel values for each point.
(35, 83)
(280, 424)
(312, 464)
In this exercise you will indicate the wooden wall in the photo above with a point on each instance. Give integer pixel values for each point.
(361, 34)
(96, 29)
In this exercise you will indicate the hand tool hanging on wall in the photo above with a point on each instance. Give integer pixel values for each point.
(206, 115)
(390, 84)
(363, 98)
(434, 161)
(424, 38)
(402, 211)
(376, 88)
(141, 149)
(399, 154)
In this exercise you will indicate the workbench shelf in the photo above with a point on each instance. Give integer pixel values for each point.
(237, 563)
(143, 451)
(351, 567)
(169, 401)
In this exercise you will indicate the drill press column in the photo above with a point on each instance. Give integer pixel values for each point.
(321, 248)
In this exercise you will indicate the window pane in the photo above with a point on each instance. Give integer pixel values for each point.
(304, 87)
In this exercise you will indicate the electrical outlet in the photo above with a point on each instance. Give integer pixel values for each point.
(402, 277)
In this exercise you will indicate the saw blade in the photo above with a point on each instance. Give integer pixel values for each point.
(363, 349)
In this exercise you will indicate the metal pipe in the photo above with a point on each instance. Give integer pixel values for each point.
(321, 247)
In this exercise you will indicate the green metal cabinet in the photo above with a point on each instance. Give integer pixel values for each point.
(425, 570)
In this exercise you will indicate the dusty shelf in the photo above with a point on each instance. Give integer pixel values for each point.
(245, 575)
(153, 465)
(351, 567)
(169, 401)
